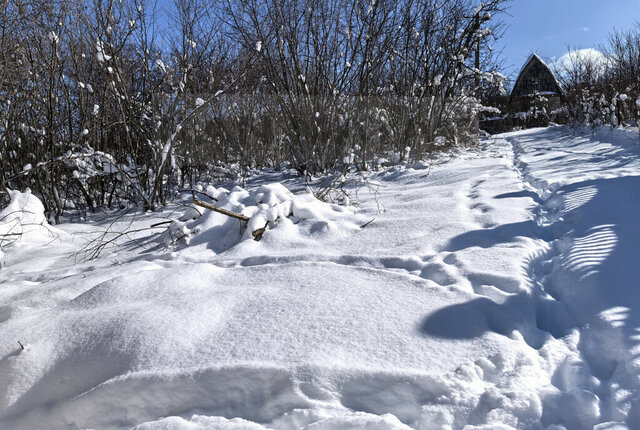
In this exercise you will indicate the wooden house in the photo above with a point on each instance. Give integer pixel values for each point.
(535, 79)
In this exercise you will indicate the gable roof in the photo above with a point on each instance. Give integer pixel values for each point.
(551, 86)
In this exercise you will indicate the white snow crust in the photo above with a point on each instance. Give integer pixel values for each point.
(495, 288)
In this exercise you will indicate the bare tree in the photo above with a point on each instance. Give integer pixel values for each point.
(105, 104)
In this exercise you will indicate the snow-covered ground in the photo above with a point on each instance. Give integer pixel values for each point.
(496, 287)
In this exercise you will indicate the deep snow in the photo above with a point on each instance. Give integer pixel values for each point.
(496, 288)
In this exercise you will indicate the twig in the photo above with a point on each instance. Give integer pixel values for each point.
(220, 210)
(160, 223)
(367, 223)
(194, 191)
(94, 247)
(21, 345)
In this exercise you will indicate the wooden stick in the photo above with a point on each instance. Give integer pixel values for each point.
(160, 223)
(257, 234)
(220, 210)
(367, 223)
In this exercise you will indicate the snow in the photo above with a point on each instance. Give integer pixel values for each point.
(487, 288)
(24, 214)
(594, 188)
(53, 37)
(271, 206)
(161, 65)
(100, 55)
(23, 222)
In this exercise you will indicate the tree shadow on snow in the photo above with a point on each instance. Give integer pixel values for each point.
(590, 277)
(504, 234)
(622, 148)
(523, 193)
(487, 238)
(476, 317)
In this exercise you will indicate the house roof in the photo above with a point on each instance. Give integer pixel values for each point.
(535, 58)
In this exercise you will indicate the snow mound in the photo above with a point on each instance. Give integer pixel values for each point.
(24, 218)
(271, 210)
(24, 209)
(207, 340)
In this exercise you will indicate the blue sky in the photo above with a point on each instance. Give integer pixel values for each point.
(547, 27)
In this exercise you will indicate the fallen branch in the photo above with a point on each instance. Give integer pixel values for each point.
(367, 223)
(257, 234)
(161, 223)
(220, 210)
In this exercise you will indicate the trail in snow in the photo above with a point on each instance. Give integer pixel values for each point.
(482, 295)
(590, 269)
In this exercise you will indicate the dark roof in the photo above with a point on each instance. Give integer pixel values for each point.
(535, 77)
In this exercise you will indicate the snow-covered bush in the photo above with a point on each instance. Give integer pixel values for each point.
(24, 209)
(271, 210)
(23, 219)
(602, 89)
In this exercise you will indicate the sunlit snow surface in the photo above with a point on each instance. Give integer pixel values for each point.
(497, 287)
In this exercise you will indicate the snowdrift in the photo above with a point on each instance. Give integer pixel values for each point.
(272, 208)
(497, 290)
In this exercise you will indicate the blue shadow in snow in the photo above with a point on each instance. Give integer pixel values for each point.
(600, 272)
(466, 320)
(518, 194)
(505, 233)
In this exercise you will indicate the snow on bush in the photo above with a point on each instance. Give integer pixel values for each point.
(23, 217)
(272, 209)
(24, 208)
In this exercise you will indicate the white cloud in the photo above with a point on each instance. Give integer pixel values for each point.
(577, 56)
(585, 29)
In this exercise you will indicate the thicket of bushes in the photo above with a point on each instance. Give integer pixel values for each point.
(104, 102)
(604, 90)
